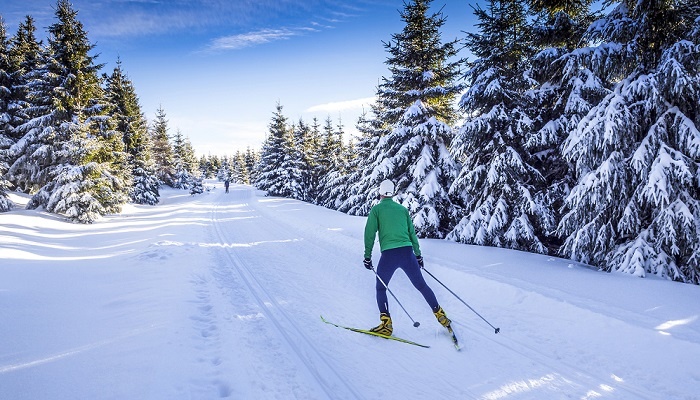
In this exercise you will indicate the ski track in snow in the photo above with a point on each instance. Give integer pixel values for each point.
(232, 270)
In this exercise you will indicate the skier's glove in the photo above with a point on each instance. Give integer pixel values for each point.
(368, 263)
(420, 261)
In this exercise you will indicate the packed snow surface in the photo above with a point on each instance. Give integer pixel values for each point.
(220, 296)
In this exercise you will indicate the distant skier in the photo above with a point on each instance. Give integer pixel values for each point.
(400, 249)
(226, 183)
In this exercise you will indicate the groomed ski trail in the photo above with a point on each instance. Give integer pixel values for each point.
(314, 376)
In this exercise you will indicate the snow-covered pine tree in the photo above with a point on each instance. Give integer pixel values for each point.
(292, 169)
(182, 177)
(497, 184)
(269, 176)
(111, 188)
(26, 54)
(204, 167)
(418, 151)
(331, 146)
(353, 199)
(100, 171)
(196, 186)
(303, 152)
(240, 174)
(225, 172)
(5, 203)
(251, 160)
(66, 151)
(6, 127)
(636, 207)
(161, 149)
(189, 156)
(312, 156)
(30, 154)
(332, 165)
(7, 81)
(145, 187)
(417, 109)
(566, 91)
(131, 124)
(342, 184)
(210, 166)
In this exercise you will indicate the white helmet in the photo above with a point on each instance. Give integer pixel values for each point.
(386, 188)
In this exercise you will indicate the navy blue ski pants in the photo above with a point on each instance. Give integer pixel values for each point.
(403, 258)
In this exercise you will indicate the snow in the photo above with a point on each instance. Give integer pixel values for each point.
(219, 296)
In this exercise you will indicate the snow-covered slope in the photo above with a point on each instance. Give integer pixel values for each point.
(219, 296)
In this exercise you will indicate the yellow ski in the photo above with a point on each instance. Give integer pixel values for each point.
(365, 331)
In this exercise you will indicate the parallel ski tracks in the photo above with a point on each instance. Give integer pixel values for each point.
(331, 382)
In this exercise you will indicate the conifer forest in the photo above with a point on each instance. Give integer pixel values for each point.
(549, 127)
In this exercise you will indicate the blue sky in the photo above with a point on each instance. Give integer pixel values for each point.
(218, 67)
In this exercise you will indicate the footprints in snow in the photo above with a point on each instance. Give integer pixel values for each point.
(164, 250)
(208, 334)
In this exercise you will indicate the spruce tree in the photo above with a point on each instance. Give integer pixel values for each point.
(68, 153)
(189, 156)
(5, 203)
(241, 174)
(314, 160)
(6, 88)
(130, 124)
(497, 185)
(636, 207)
(203, 165)
(302, 149)
(350, 196)
(7, 83)
(566, 90)
(417, 110)
(24, 52)
(145, 186)
(162, 150)
(215, 164)
(251, 160)
(30, 99)
(225, 172)
(330, 165)
(181, 166)
(269, 173)
(236, 173)
(422, 168)
(291, 182)
(196, 186)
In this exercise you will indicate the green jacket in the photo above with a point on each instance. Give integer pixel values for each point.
(395, 227)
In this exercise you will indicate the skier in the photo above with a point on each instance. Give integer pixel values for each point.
(226, 183)
(400, 249)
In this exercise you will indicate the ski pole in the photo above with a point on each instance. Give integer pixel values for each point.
(415, 323)
(465, 303)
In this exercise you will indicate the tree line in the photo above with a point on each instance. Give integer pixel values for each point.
(570, 132)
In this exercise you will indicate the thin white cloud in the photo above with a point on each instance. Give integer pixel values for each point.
(342, 105)
(241, 41)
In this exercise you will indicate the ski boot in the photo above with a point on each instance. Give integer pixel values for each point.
(384, 328)
(442, 318)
